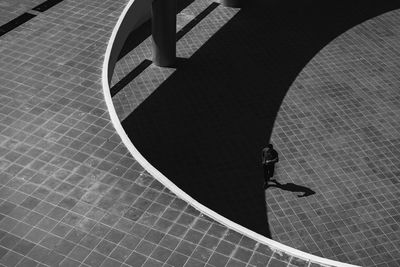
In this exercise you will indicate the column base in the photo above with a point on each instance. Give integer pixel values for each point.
(164, 61)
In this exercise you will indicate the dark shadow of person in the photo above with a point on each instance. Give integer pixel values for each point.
(292, 188)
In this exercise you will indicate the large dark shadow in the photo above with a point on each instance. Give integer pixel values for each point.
(205, 126)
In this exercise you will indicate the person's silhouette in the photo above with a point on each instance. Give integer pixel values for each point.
(269, 158)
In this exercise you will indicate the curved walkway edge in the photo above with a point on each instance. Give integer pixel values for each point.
(166, 182)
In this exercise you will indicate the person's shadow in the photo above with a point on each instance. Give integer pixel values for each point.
(292, 188)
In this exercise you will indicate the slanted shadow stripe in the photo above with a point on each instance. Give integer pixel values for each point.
(145, 63)
(11, 25)
(128, 78)
(196, 20)
(46, 5)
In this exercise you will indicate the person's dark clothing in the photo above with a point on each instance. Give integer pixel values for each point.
(269, 170)
(269, 158)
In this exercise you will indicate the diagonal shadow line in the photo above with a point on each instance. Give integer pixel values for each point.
(46, 5)
(18, 21)
(146, 63)
(11, 25)
(196, 20)
(128, 78)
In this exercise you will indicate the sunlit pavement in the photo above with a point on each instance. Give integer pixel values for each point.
(72, 195)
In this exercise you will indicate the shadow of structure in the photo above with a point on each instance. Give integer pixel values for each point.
(144, 31)
(205, 126)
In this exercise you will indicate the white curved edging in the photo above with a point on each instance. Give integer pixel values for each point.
(171, 186)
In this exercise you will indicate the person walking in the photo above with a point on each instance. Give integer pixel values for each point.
(269, 158)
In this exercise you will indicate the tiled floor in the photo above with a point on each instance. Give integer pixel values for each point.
(70, 193)
(10, 9)
(151, 78)
(337, 132)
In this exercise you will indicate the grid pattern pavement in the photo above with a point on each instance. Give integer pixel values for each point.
(70, 193)
(337, 133)
(10, 9)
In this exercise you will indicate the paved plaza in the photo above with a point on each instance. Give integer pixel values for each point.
(71, 194)
(336, 129)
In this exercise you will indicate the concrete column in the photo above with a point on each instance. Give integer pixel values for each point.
(232, 3)
(164, 32)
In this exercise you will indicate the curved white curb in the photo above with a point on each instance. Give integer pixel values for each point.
(171, 186)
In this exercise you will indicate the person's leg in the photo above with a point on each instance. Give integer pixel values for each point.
(266, 175)
(271, 170)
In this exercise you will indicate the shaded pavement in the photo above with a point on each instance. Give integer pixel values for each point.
(205, 126)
